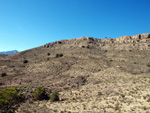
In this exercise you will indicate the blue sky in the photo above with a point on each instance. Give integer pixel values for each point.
(26, 24)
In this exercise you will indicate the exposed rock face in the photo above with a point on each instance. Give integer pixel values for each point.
(137, 42)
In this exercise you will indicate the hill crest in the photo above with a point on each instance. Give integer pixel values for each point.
(140, 41)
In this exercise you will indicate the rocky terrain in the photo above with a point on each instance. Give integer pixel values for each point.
(91, 75)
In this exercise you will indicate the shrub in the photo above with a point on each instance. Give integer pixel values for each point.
(48, 54)
(3, 74)
(54, 96)
(110, 60)
(83, 46)
(9, 98)
(40, 94)
(59, 42)
(25, 61)
(88, 47)
(59, 55)
(148, 65)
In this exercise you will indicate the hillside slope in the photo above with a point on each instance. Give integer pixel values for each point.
(95, 75)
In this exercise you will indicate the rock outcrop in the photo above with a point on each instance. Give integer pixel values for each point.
(137, 42)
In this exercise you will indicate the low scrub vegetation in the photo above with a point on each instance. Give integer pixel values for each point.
(86, 46)
(25, 61)
(148, 65)
(40, 94)
(48, 54)
(59, 55)
(3, 74)
(9, 99)
(54, 96)
(83, 46)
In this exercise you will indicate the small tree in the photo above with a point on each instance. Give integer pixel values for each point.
(54, 96)
(40, 94)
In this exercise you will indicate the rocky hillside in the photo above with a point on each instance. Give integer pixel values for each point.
(90, 74)
(137, 42)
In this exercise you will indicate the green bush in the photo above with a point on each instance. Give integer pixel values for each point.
(148, 65)
(9, 98)
(3, 74)
(59, 55)
(54, 96)
(40, 94)
(25, 61)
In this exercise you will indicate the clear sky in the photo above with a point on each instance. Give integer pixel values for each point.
(26, 24)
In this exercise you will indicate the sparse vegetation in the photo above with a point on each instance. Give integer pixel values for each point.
(88, 46)
(110, 60)
(25, 61)
(48, 54)
(148, 100)
(148, 65)
(54, 96)
(100, 79)
(40, 94)
(59, 42)
(3, 74)
(83, 46)
(59, 55)
(117, 107)
(9, 98)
